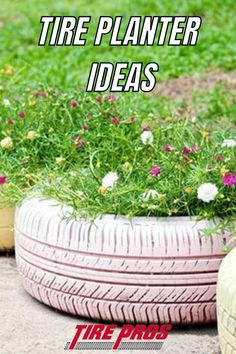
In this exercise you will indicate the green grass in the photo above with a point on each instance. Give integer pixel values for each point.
(68, 67)
(55, 123)
(107, 147)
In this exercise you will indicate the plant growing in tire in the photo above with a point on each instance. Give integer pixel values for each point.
(118, 234)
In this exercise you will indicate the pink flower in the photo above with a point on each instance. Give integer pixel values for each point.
(79, 141)
(229, 179)
(111, 97)
(186, 150)
(219, 157)
(168, 148)
(132, 119)
(115, 120)
(21, 115)
(74, 104)
(3, 180)
(10, 122)
(155, 171)
(146, 128)
(85, 127)
(40, 94)
(195, 148)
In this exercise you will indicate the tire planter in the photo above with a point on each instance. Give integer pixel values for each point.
(226, 304)
(144, 270)
(6, 229)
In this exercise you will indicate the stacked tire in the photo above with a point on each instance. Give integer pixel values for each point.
(143, 270)
(226, 304)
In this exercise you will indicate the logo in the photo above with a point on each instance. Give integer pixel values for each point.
(112, 337)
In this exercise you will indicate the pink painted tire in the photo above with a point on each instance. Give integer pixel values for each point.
(144, 270)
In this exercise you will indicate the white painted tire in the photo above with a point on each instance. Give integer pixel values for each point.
(140, 270)
(226, 304)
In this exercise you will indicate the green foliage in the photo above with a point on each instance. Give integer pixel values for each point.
(69, 66)
(73, 148)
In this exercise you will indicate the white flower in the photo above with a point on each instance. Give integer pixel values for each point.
(110, 180)
(147, 137)
(6, 143)
(228, 143)
(149, 194)
(207, 192)
(6, 102)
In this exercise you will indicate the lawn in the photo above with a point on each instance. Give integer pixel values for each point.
(68, 67)
(61, 72)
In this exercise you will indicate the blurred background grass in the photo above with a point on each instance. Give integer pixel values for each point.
(65, 70)
(68, 67)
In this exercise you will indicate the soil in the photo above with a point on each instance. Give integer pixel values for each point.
(183, 88)
(28, 326)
